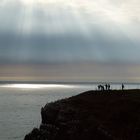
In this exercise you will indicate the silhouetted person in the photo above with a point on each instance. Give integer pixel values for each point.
(122, 86)
(102, 87)
(99, 87)
(106, 86)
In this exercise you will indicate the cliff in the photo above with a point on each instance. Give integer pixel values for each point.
(92, 115)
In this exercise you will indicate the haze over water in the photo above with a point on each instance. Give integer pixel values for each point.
(20, 104)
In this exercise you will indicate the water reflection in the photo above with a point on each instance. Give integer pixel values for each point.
(36, 86)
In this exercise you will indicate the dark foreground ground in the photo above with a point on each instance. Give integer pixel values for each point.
(92, 115)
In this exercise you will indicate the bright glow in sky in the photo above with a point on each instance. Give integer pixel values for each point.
(54, 32)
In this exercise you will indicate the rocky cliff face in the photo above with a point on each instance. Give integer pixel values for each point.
(88, 116)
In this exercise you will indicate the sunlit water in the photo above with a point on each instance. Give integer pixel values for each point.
(20, 104)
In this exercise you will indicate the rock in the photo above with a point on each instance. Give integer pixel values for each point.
(90, 116)
(49, 115)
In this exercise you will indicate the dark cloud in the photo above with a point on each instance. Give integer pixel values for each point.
(41, 48)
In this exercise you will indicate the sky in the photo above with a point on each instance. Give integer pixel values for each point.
(70, 40)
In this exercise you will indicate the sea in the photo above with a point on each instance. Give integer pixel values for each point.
(20, 103)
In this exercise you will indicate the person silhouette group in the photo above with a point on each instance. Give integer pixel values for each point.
(108, 87)
(104, 87)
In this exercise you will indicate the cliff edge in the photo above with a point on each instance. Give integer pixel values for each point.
(92, 115)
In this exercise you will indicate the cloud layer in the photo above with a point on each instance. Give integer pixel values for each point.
(62, 31)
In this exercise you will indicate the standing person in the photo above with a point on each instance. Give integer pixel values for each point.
(106, 86)
(122, 86)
